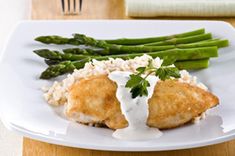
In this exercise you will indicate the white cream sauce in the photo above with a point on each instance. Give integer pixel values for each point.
(135, 110)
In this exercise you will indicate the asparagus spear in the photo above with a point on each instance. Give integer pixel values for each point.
(120, 49)
(136, 41)
(209, 40)
(218, 43)
(192, 64)
(58, 69)
(54, 39)
(62, 68)
(184, 40)
(79, 39)
(141, 49)
(55, 55)
(178, 54)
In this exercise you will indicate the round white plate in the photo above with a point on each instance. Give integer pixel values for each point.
(24, 110)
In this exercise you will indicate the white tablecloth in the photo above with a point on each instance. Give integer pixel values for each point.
(11, 12)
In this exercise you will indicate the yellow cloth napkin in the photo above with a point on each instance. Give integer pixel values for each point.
(152, 8)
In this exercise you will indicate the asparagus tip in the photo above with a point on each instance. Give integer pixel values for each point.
(54, 39)
(45, 75)
(41, 52)
(42, 39)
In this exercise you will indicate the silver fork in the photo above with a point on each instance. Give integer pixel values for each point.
(71, 7)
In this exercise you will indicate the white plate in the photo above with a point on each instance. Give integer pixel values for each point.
(24, 110)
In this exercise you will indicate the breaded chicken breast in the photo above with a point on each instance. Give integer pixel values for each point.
(93, 101)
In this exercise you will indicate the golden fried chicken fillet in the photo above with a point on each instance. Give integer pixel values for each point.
(93, 101)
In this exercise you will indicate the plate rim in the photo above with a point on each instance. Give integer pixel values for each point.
(47, 139)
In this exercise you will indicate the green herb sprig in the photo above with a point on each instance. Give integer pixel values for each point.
(139, 84)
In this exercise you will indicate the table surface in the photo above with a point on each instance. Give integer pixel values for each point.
(107, 9)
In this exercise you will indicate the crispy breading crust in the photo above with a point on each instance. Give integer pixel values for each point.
(173, 103)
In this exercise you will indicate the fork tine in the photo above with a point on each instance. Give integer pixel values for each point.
(80, 5)
(74, 6)
(68, 6)
(62, 4)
